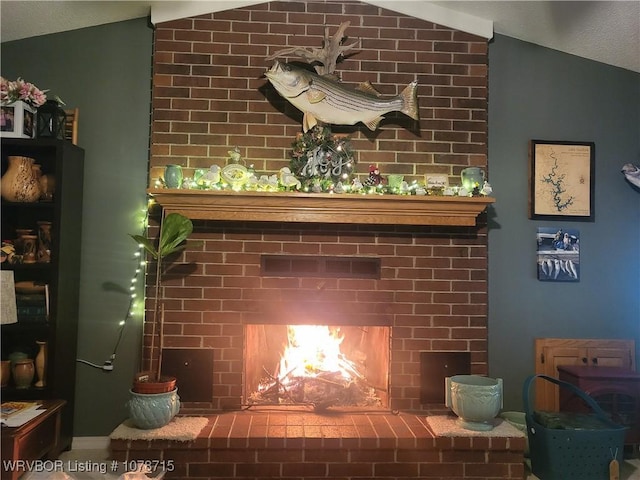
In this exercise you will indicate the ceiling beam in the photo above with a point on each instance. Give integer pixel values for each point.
(166, 11)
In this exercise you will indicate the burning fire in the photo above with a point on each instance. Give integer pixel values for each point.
(314, 349)
(313, 370)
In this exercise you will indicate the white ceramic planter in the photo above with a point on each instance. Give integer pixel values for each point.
(475, 399)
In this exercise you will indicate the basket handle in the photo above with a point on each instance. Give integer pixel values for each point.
(588, 400)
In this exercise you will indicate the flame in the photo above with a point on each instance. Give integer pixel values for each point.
(313, 349)
(313, 370)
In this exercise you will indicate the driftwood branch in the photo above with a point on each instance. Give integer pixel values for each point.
(324, 59)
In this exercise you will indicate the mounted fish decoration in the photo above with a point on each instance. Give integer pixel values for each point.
(327, 100)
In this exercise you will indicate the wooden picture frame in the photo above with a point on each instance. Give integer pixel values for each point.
(561, 180)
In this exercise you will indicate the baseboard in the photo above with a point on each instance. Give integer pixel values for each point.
(90, 443)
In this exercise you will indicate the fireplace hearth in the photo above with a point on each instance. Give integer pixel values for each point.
(271, 443)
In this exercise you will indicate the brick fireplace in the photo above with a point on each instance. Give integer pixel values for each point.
(425, 281)
(210, 95)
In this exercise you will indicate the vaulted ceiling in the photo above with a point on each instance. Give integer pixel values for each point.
(604, 31)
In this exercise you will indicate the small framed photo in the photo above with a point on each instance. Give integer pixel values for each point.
(561, 180)
(17, 120)
(558, 254)
(432, 180)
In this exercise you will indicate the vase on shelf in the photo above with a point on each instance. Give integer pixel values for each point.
(472, 177)
(17, 356)
(20, 183)
(41, 364)
(47, 187)
(23, 373)
(173, 176)
(29, 248)
(17, 243)
(44, 242)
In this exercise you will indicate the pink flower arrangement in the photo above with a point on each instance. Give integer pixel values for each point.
(20, 90)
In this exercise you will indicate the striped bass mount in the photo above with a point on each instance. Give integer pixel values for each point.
(326, 100)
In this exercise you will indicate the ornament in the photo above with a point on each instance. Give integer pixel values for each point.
(213, 175)
(234, 155)
(235, 175)
(374, 178)
(288, 179)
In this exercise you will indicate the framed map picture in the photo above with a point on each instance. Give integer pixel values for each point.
(558, 254)
(561, 180)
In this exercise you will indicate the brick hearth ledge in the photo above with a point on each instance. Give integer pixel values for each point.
(271, 443)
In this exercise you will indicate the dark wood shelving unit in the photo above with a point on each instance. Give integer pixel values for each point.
(65, 162)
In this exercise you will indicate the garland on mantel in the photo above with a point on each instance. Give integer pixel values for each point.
(321, 162)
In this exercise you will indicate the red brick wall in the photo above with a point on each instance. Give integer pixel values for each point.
(209, 96)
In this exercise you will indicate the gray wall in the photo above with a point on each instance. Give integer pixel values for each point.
(534, 93)
(106, 72)
(537, 93)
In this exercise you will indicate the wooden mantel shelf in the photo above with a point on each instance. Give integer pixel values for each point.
(322, 207)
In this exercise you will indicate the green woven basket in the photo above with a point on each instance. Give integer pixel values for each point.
(571, 446)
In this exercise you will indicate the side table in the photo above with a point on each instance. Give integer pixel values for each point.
(37, 439)
(615, 389)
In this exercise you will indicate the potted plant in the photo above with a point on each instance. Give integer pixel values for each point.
(174, 231)
(154, 399)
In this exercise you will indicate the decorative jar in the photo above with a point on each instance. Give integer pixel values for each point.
(173, 176)
(471, 178)
(23, 373)
(29, 248)
(44, 242)
(20, 183)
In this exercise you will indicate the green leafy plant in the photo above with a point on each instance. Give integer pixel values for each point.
(175, 228)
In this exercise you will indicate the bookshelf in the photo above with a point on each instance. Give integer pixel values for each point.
(47, 292)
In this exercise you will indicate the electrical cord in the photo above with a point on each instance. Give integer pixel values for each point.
(108, 365)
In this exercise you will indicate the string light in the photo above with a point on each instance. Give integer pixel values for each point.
(135, 308)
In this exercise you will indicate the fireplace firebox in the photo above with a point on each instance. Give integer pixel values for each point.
(323, 366)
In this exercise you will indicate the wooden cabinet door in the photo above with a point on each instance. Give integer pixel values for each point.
(548, 360)
(553, 352)
(611, 357)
